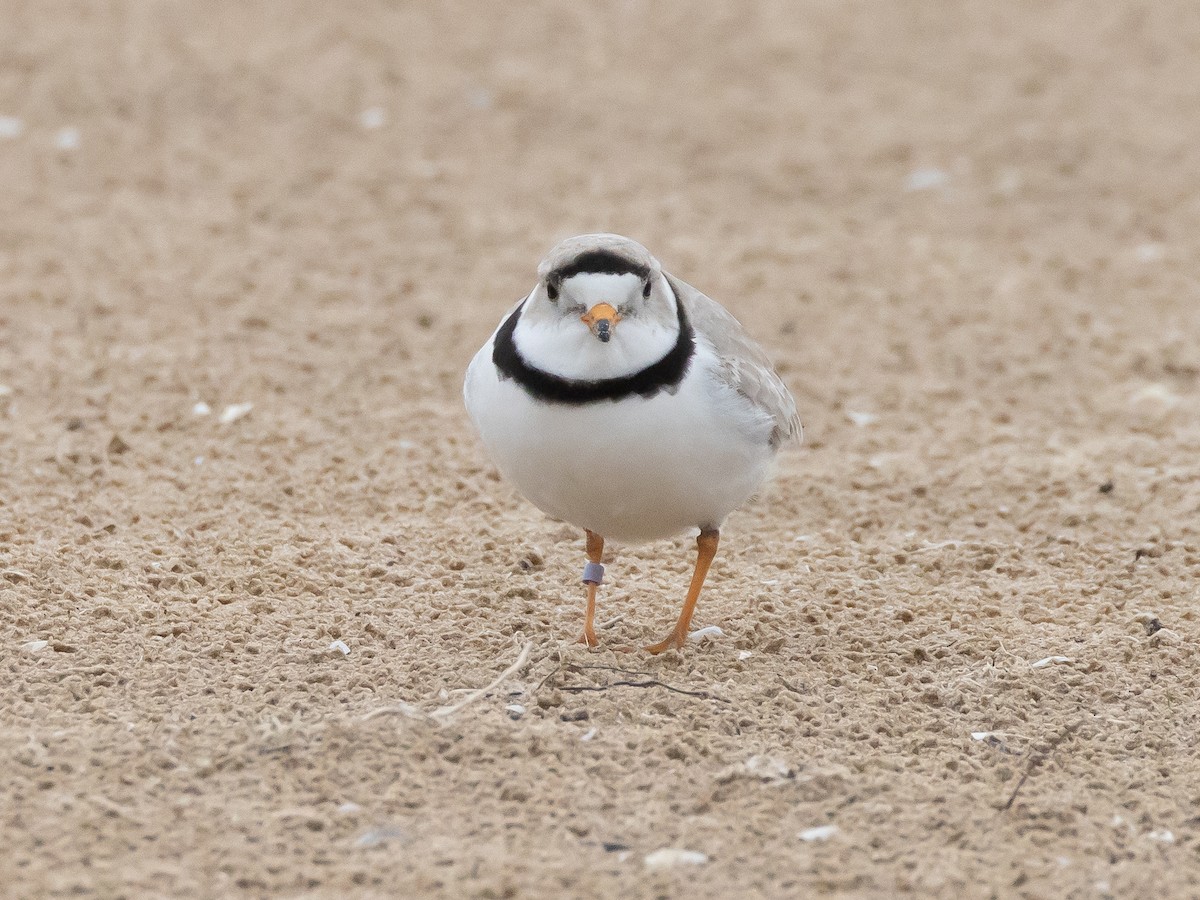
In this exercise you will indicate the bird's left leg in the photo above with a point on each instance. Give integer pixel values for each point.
(593, 574)
(706, 549)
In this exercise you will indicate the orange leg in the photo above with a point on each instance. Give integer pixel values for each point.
(595, 549)
(706, 549)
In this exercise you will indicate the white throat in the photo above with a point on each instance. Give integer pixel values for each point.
(565, 346)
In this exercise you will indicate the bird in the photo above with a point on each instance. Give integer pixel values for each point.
(623, 401)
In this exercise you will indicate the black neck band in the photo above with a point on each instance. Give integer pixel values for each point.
(664, 375)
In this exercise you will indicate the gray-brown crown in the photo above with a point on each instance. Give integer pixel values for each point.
(606, 253)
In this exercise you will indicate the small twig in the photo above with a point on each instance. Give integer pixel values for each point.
(1036, 760)
(1008, 652)
(611, 622)
(402, 709)
(579, 667)
(549, 675)
(580, 688)
(445, 712)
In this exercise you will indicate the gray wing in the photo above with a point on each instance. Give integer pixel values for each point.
(743, 364)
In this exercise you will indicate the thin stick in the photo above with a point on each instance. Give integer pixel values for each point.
(446, 712)
(401, 709)
(578, 667)
(1036, 761)
(580, 688)
(549, 675)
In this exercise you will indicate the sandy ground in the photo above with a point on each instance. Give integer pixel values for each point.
(959, 627)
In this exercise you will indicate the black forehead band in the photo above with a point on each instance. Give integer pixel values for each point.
(599, 262)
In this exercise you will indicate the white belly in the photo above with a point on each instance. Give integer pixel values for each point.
(633, 470)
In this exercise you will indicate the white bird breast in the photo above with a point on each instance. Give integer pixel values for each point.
(631, 470)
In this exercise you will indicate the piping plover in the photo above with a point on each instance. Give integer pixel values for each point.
(623, 401)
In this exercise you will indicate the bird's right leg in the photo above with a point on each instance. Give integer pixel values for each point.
(706, 549)
(593, 574)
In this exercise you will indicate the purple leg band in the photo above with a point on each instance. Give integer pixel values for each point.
(593, 573)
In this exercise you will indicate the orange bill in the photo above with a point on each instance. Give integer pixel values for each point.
(601, 319)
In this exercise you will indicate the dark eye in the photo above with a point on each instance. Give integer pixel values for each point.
(551, 292)
(646, 290)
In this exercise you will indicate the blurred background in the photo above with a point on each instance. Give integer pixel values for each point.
(927, 168)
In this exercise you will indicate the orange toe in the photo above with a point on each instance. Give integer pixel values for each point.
(673, 641)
